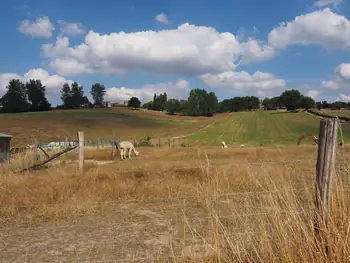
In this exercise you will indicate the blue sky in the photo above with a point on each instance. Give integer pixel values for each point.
(137, 48)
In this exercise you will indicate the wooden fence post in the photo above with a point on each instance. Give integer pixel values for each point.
(158, 142)
(169, 143)
(81, 151)
(324, 171)
(36, 144)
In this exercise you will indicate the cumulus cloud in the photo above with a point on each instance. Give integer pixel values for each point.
(340, 79)
(162, 18)
(322, 3)
(343, 70)
(53, 83)
(41, 27)
(255, 50)
(321, 27)
(179, 90)
(187, 50)
(313, 93)
(71, 28)
(343, 97)
(259, 82)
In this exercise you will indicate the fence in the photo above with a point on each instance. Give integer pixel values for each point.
(174, 224)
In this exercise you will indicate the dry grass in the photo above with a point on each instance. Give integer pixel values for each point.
(97, 124)
(176, 205)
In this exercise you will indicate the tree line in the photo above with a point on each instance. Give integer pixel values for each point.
(31, 96)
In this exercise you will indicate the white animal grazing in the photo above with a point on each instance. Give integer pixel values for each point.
(123, 146)
(224, 144)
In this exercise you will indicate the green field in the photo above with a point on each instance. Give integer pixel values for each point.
(249, 128)
(339, 113)
(262, 127)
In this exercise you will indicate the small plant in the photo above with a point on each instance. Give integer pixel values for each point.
(183, 145)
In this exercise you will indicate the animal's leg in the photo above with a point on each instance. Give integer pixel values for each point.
(130, 149)
(121, 154)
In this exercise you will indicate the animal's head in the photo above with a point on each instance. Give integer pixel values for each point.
(137, 153)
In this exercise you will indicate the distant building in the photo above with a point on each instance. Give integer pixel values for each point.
(107, 104)
(4, 147)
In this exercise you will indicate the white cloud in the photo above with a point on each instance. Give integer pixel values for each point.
(313, 93)
(5, 79)
(341, 78)
(343, 70)
(162, 18)
(187, 50)
(322, 27)
(41, 27)
(53, 83)
(343, 97)
(71, 28)
(331, 84)
(259, 81)
(322, 3)
(255, 50)
(179, 90)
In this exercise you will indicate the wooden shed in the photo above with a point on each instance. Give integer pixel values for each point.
(4, 147)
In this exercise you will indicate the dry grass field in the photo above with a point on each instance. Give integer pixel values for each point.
(252, 204)
(185, 204)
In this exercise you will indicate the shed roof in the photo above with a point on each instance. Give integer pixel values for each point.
(3, 135)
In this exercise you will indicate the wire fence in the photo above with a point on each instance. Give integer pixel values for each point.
(132, 229)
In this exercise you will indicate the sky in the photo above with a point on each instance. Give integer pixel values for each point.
(138, 48)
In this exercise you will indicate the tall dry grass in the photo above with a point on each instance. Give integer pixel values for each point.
(232, 205)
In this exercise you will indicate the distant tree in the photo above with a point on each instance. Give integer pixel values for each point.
(307, 102)
(66, 96)
(98, 92)
(172, 106)
(148, 105)
(134, 102)
(319, 105)
(77, 95)
(200, 103)
(211, 104)
(15, 98)
(291, 99)
(325, 105)
(36, 96)
(73, 97)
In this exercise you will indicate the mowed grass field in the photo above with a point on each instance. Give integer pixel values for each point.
(263, 128)
(340, 113)
(255, 128)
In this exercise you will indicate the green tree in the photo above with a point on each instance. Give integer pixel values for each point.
(172, 106)
(66, 96)
(77, 94)
(36, 96)
(98, 92)
(308, 102)
(15, 98)
(134, 102)
(200, 103)
(291, 99)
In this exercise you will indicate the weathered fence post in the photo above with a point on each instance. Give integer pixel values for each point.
(169, 143)
(36, 144)
(81, 151)
(113, 149)
(324, 171)
(158, 142)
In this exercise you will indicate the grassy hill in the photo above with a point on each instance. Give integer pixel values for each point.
(249, 128)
